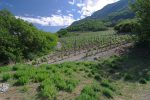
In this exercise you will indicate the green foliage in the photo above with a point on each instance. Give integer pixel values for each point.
(98, 77)
(106, 84)
(48, 90)
(39, 77)
(23, 80)
(90, 92)
(127, 26)
(128, 77)
(21, 40)
(87, 25)
(142, 81)
(142, 8)
(6, 77)
(5, 69)
(107, 92)
(62, 33)
(71, 84)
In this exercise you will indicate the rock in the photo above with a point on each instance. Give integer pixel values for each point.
(4, 87)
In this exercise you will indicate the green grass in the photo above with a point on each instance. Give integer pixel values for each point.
(90, 92)
(6, 77)
(113, 77)
(107, 92)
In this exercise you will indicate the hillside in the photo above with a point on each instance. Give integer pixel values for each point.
(111, 13)
(120, 8)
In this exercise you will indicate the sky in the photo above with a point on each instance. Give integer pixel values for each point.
(51, 15)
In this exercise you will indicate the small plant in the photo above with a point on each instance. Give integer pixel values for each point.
(44, 59)
(6, 77)
(90, 92)
(128, 77)
(34, 62)
(48, 90)
(107, 92)
(23, 80)
(39, 77)
(98, 77)
(71, 84)
(19, 74)
(15, 68)
(89, 75)
(142, 81)
(106, 84)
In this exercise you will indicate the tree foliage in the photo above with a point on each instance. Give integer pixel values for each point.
(127, 26)
(142, 9)
(21, 40)
(62, 33)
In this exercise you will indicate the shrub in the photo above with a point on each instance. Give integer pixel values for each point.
(39, 77)
(89, 75)
(71, 84)
(48, 90)
(34, 62)
(6, 77)
(44, 59)
(106, 84)
(107, 92)
(5, 69)
(84, 96)
(30, 43)
(128, 77)
(142, 81)
(23, 80)
(90, 92)
(98, 77)
(19, 74)
(15, 68)
(126, 26)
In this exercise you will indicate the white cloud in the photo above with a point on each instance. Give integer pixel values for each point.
(89, 6)
(54, 20)
(70, 15)
(58, 11)
(72, 2)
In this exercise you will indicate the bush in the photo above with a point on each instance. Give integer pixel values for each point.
(84, 96)
(5, 69)
(19, 74)
(90, 92)
(98, 77)
(106, 84)
(142, 81)
(48, 90)
(126, 26)
(23, 80)
(71, 84)
(128, 77)
(6, 77)
(107, 92)
(23, 39)
(39, 77)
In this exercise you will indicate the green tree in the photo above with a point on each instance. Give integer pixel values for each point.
(142, 9)
(21, 40)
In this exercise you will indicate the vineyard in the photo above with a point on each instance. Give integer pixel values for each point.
(88, 44)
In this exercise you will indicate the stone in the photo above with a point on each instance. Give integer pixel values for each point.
(4, 87)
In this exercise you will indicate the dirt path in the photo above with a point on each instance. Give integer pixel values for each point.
(81, 57)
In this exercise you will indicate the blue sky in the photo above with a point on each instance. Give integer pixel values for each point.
(51, 15)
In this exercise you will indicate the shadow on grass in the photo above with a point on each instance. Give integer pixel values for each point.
(133, 66)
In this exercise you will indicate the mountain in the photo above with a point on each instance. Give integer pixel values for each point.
(112, 12)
